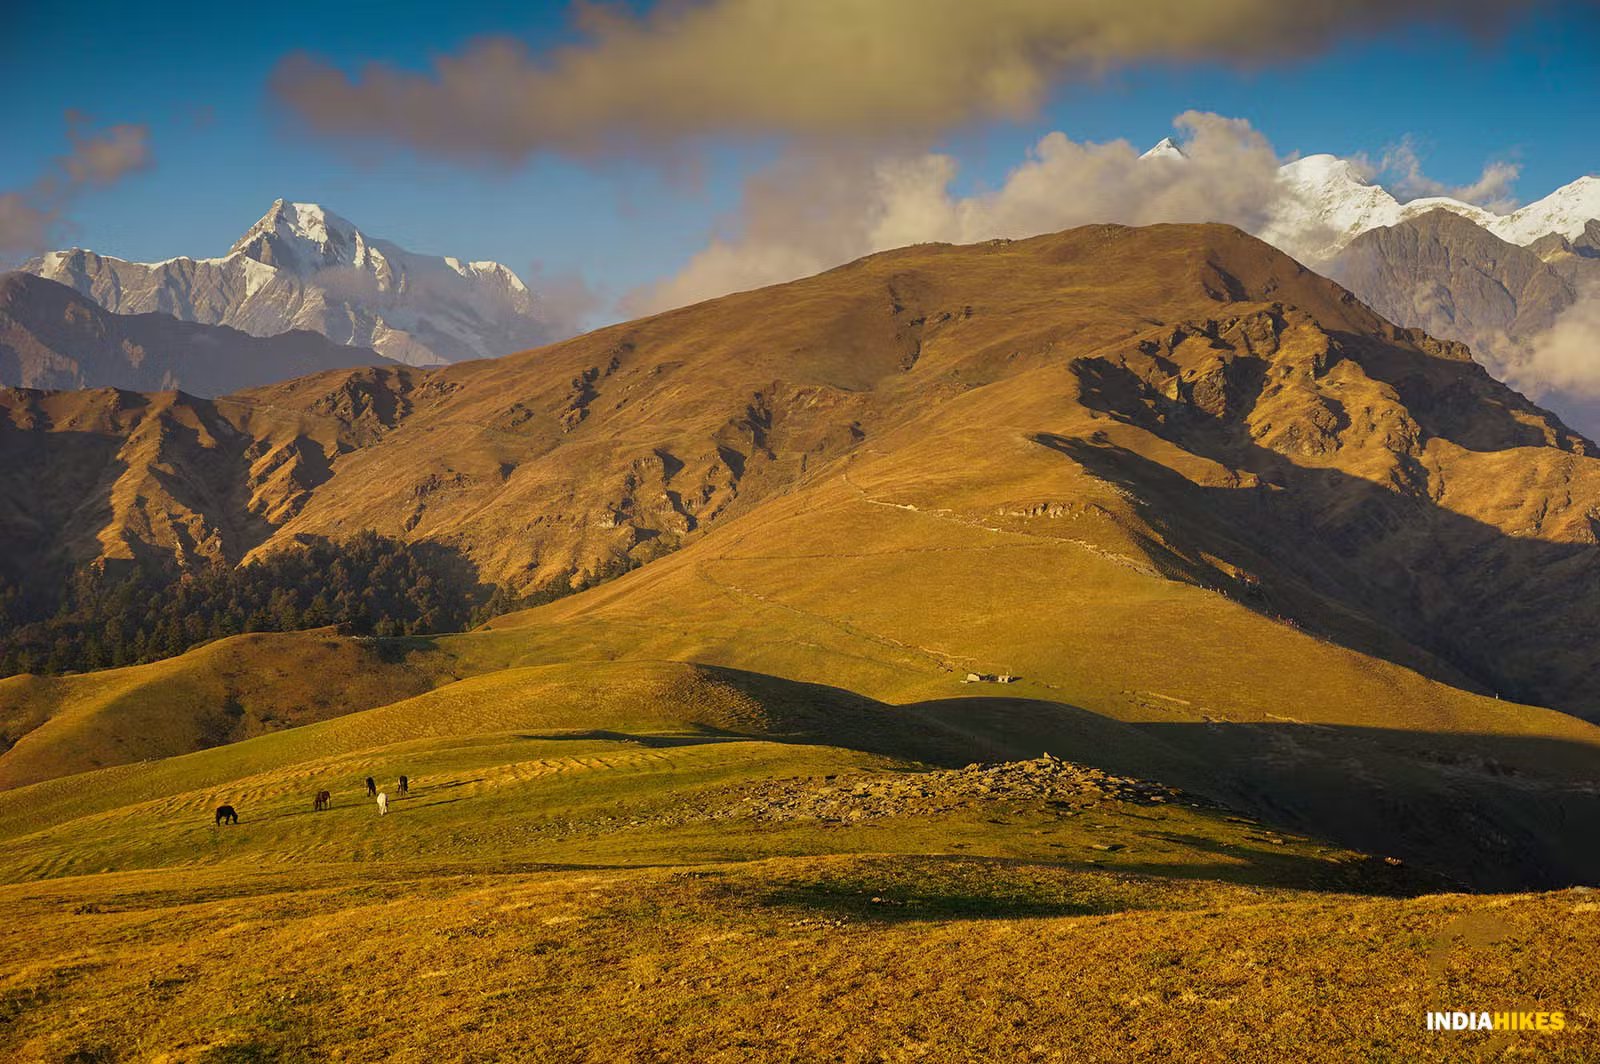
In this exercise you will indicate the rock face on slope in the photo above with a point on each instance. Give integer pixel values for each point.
(303, 267)
(51, 337)
(1554, 247)
(1443, 273)
(1231, 419)
(1455, 279)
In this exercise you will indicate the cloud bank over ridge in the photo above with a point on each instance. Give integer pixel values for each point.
(814, 210)
(816, 70)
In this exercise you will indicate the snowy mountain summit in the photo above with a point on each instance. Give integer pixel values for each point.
(1167, 149)
(1325, 202)
(304, 267)
(1328, 202)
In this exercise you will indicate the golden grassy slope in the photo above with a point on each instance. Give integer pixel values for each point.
(596, 704)
(862, 584)
(776, 960)
(575, 877)
(219, 693)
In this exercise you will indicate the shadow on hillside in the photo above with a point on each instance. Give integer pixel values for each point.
(49, 482)
(1491, 812)
(908, 888)
(1266, 866)
(1377, 567)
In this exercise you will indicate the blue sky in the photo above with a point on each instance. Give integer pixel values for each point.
(224, 149)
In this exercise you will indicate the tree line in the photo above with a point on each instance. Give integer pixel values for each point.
(105, 616)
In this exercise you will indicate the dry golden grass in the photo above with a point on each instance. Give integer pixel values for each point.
(576, 876)
(806, 958)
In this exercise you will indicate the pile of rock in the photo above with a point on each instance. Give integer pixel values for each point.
(869, 796)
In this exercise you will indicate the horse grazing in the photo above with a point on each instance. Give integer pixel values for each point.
(372, 787)
(226, 815)
(324, 800)
(405, 785)
(383, 804)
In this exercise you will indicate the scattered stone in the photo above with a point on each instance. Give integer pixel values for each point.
(1064, 786)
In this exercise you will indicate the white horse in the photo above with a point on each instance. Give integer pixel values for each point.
(383, 804)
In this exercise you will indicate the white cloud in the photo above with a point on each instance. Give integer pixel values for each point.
(814, 210)
(98, 158)
(1492, 190)
(1564, 359)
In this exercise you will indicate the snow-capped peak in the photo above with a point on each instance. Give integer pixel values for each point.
(1167, 149)
(1324, 169)
(302, 237)
(1327, 202)
(1567, 211)
(1330, 201)
(310, 221)
(301, 266)
(307, 238)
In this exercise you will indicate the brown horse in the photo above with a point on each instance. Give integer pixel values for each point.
(324, 800)
(405, 785)
(226, 815)
(372, 787)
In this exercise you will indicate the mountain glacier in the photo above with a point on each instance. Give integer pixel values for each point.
(304, 267)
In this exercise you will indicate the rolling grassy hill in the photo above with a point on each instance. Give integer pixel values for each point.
(219, 693)
(614, 861)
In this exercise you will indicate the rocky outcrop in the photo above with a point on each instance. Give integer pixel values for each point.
(1454, 279)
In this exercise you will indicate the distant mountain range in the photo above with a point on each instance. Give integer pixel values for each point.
(1445, 273)
(1329, 202)
(52, 337)
(304, 267)
(1498, 282)
(1522, 289)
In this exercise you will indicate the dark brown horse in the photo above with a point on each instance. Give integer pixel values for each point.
(324, 800)
(372, 787)
(226, 815)
(405, 785)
